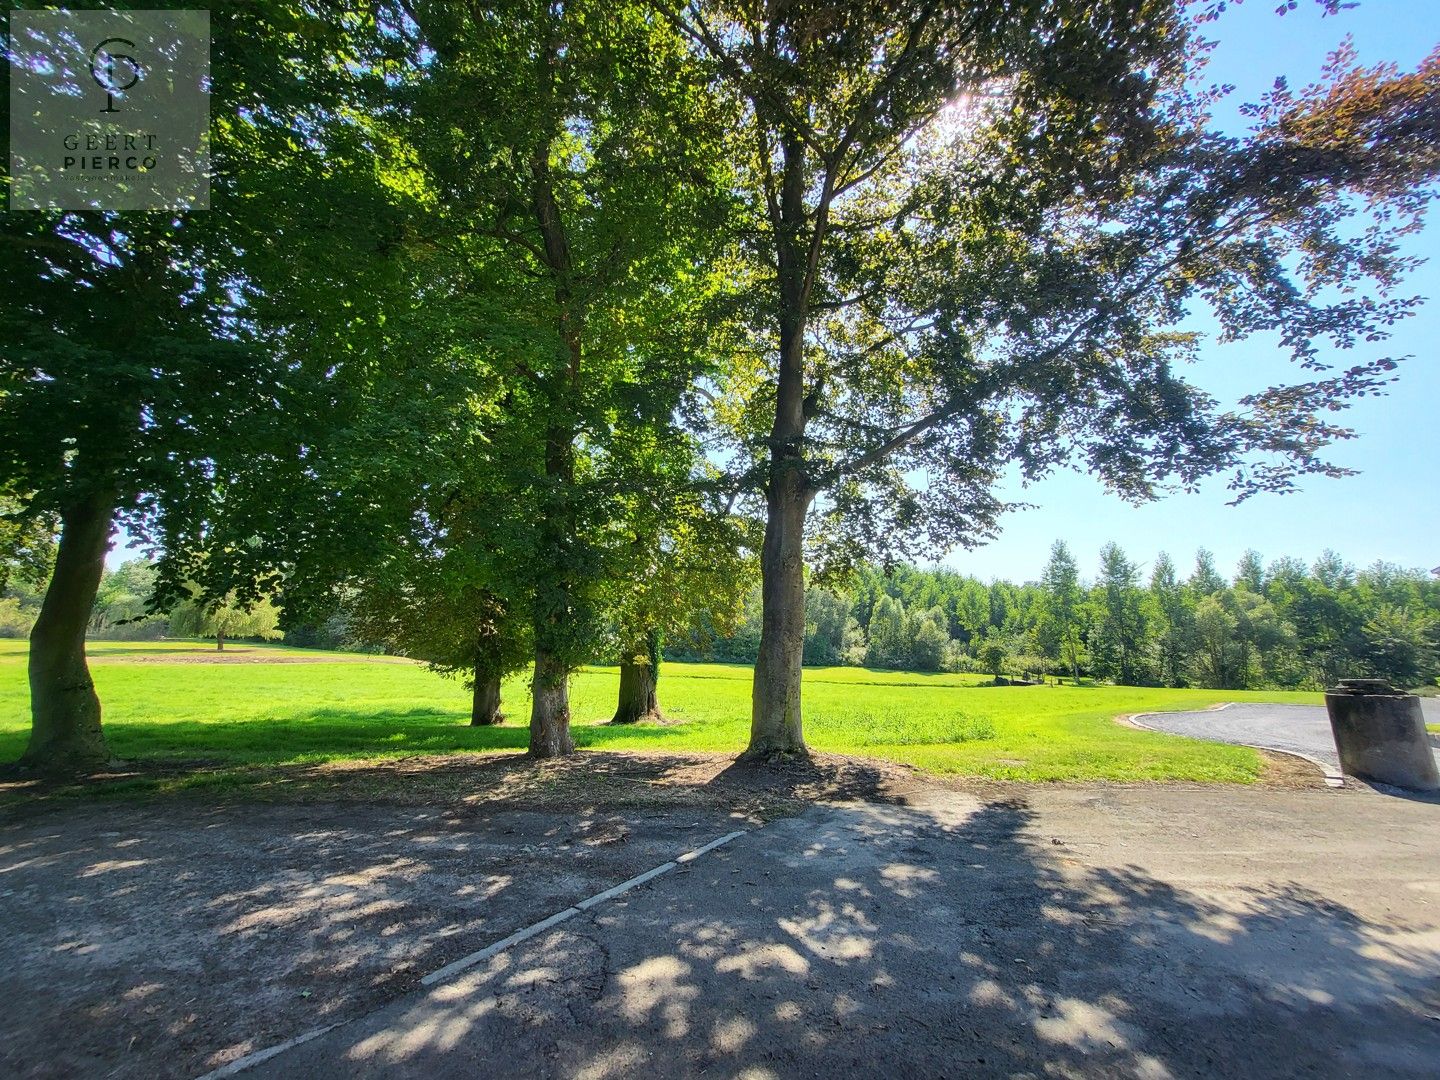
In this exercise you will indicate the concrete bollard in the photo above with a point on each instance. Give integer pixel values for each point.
(1380, 734)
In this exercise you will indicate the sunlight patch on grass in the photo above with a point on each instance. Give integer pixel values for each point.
(221, 716)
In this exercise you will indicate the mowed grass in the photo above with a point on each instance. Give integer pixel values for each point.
(162, 703)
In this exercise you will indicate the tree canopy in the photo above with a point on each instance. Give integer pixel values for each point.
(510, 325)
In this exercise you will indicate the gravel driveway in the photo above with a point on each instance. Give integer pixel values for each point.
(1302, 729)
(1085, 931)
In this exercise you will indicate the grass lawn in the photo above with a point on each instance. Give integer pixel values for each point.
(162, 701)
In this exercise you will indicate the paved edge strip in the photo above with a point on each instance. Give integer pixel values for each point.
(242, 1063)
(691, 856)
(1333, 776)
(457, 966)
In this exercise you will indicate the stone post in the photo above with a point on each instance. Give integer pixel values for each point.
(1380, 734)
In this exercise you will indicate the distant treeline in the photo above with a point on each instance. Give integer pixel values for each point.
(122, 610)
(1281, 625)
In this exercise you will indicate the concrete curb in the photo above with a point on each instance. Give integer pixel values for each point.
(1333, 777)
(242, 1063)
(455, 967)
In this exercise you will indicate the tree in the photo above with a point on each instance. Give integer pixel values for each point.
(1060, 611)
(226, 618)
(972, 608)
(1119, 635)
(123, 602)
(827, 617)
(1205, 580)
(992, 658)
(1265, 641)
(688, 566)
(583, 198)
(929, 640)
(1239, 640)
(422, 601)
(1171, 618)
(1216, 662)
(128, 372)
(1250, 572)
(887, 646)
(1399, 646)
(972, 231)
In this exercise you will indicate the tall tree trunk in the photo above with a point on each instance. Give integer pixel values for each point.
(775, 723)
(638, 678)
(219, 640)
(550, 707)
(65, 732)
(550, 700)
(485, 705)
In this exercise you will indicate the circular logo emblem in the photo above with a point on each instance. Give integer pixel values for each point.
(114, 72)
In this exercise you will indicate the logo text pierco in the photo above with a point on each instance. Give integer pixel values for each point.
(135, 153)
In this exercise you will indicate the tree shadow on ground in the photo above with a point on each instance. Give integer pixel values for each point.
(881, 942)
(334, 733)
(154, 940)
(829, 777)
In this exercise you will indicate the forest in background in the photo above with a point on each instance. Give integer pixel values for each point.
(1281, 625)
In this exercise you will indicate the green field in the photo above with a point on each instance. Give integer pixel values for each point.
(160, 704)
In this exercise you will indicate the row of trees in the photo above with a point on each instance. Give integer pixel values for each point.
(1285, 625)
(1281, 626)
(124, 609)
(514, 326)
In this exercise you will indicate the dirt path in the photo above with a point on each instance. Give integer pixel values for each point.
(1069, 931)
(165, 939)
(1077, 929)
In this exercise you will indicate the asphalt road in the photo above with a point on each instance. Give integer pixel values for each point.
(1078, 931)
(1300, 729)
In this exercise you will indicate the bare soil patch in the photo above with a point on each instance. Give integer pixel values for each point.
(1289, 771)
(166, 938)
(593, 778)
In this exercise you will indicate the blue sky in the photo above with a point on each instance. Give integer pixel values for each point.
(1390, 511)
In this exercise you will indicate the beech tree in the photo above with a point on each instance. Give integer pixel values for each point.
(582, 199)
(974, 230)
(125, 372)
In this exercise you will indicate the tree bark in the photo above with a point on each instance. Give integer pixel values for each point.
(65, 732)
(550, 699)
(638, 678)
(219, 641)
(550, 707)
(485, 706)
(775, 721)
